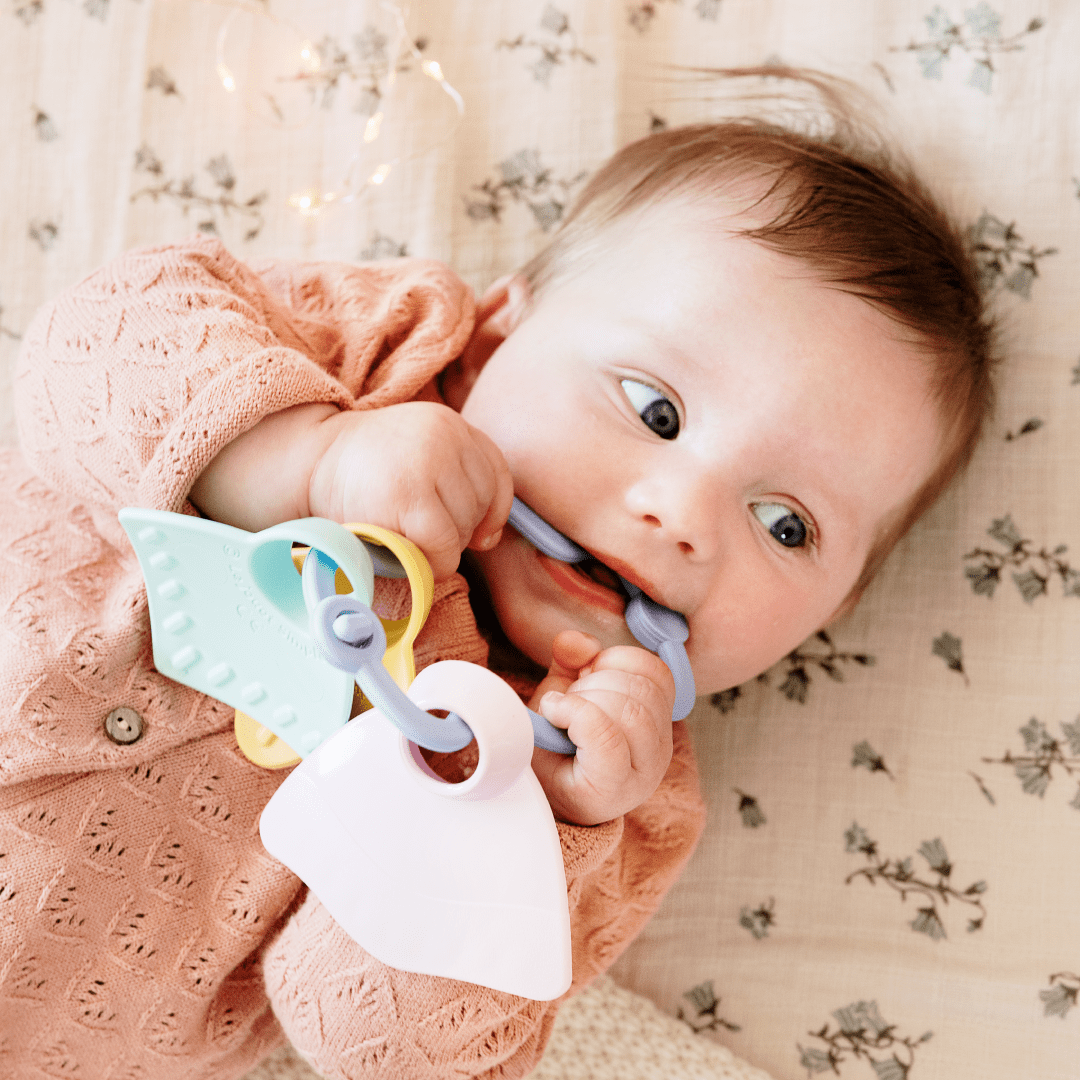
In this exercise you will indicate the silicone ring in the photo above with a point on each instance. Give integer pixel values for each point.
(494, 712)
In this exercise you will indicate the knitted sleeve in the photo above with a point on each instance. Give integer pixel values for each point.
(129, 383)
(355, 1018)
(127, 386)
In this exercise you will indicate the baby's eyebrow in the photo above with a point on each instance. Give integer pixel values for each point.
(657, 342)
(834, 511)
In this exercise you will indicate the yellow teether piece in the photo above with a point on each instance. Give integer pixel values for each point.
(401, 633)
(260, 745)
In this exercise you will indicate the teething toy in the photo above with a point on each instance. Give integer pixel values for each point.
(393, 556)
(228, 617)
(459, 880)
(658, 628)
(462, 880)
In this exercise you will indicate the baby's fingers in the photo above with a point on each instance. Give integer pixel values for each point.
(619, 724)
(430, 525)
(493, 475)
(637, 708)
(622, 755)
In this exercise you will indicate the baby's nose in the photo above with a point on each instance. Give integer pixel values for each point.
(680, 510)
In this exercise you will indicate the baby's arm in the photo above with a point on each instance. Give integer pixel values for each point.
(133, 381)
(616, 706)
(417, 468)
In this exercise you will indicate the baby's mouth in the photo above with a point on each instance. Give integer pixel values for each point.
(590, 581)
(603, 575)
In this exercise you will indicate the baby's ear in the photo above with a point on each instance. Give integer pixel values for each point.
(498, 312)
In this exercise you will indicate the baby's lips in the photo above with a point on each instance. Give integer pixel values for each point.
(577, 585)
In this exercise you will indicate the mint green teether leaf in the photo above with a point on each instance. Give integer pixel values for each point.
(228, 618)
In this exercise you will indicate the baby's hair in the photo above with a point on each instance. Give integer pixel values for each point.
(849, 208)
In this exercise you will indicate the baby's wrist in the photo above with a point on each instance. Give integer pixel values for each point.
(263, 476)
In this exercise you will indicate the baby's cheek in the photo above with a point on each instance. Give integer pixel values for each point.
(724, 656)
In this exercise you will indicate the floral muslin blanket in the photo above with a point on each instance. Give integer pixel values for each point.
(887, 886)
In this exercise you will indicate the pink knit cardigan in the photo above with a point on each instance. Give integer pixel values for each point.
(144, 932)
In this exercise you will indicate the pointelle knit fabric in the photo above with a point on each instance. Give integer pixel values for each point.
(145, 934)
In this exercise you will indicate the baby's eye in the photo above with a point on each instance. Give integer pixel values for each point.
(656, 410)
(784, 524)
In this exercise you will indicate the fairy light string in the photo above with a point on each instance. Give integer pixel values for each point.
(311, 70)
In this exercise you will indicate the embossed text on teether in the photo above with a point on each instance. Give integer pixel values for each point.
(271, 618)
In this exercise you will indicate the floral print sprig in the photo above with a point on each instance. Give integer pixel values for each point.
(981, 784)
(383, 247)
(1002, 257)
(43, 125)
(900, 876)
(979, 35)
(44, 233)
(758, 920)
(366, 65)
(802, 660)
(705, 1017)
(950, 649)
(753, 817)
(865, 756)
(1026, 428)
(1042, 752)
(796, 671)
(157, 78)
(206, 207)
(725, 700)
(641, 14)
(557, 47)
(861, 1034)
(1062, 995)
(28, 10)
(523, 178)
(1033, 569)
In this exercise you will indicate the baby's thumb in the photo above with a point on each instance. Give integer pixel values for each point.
(570, 652)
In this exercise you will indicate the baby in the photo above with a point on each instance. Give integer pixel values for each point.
(739, 424)
(744, 367)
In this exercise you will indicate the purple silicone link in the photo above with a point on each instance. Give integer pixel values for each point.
(658, 628)
(351, 637)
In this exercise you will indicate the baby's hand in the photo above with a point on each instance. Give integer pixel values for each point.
(417, 468)
(615, 705)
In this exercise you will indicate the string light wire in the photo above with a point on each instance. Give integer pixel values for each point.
(354, 182)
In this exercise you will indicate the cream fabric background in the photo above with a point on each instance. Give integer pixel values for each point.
(765, 940)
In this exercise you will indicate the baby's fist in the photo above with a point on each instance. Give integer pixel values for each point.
(417, 468)
(615, 705)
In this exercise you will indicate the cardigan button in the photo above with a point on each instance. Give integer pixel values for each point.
(124, 726)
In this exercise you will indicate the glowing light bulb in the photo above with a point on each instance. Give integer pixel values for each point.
(226, 77)
(371, 128)
(380, 174)
(431, 67)
(310, 55)
(309, 202)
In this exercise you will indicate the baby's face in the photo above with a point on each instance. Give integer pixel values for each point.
(712, 423)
